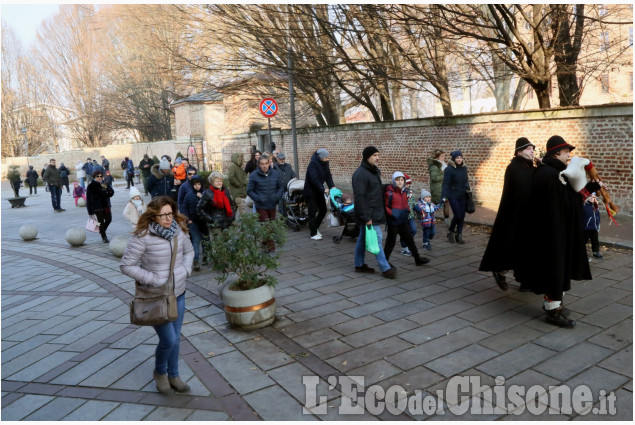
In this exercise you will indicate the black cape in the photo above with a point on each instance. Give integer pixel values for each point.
(502, 250)
(553, 243)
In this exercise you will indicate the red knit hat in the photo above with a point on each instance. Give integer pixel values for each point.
(408, 179)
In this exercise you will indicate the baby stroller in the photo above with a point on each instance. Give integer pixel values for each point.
(295, 209)
(342, 208)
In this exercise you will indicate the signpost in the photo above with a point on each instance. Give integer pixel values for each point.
(269, 109)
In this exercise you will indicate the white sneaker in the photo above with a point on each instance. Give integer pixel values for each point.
(319, 234)
(317, 237)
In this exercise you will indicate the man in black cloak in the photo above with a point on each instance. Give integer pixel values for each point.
(502, 252)
(554, 248)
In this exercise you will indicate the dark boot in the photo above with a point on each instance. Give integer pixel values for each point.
(451, 236)
(420, 261)
(555, 317)
(459, 238)
(105, 239)
(501, 281)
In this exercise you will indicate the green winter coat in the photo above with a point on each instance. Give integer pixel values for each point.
(237, 177)
(436, 179)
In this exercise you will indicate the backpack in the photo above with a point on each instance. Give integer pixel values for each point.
(124, 165)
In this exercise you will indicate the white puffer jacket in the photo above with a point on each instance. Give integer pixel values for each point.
(147, 259)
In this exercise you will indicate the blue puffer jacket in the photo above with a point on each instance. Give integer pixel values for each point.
(317, 173)
(265, 189)
(455, 181)
(188, 207)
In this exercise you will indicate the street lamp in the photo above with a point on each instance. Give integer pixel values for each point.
(26, 144)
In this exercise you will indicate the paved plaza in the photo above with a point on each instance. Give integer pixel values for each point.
(70, 353)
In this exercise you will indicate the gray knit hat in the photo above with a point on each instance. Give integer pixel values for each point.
(424, 193)
(164, 164)
(322, 153)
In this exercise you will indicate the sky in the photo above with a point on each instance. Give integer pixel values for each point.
(25, 19)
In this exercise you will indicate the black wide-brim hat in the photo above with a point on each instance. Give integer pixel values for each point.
(523, 143)
(556, 143)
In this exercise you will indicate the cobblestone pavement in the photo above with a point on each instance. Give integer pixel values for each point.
(69, 352)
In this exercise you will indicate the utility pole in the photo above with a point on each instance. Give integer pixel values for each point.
(294, 136)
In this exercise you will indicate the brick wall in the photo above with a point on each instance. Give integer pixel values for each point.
(602, 133)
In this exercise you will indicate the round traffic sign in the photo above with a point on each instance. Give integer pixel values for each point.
(268, 107)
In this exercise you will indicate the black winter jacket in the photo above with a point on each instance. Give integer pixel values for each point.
(160, 184)
(317, 173)
(455, 181)
(265, 189)
(214, 217)
(286, 173)
(369, 194)
(189, 209)
(97, 197)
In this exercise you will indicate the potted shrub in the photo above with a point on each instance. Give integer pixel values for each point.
(240, 258)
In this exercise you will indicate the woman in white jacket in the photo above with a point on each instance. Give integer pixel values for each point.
(135, 207)
(147, 260)
(81, 174)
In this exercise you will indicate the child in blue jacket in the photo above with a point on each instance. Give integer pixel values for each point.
(591, 224)
(425, 208)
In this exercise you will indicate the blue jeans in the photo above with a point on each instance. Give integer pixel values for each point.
(81, 182)
(458, 212)
(166, 357)
(360, 249)
(413, 232)
(196, 235)
(56, 196)
(428, 233)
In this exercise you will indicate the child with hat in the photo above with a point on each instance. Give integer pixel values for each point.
(425, 208)
(411, 217)
(135, 207)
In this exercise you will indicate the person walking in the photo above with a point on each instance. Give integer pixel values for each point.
(237, 182)
(454, 191)
(185, 188)
(555, 209)
(397, 214)
(161, 182)
(135, 207)
(46, 185)
(31, 180)
(412, 201)
(426, 209)
(591, 225)
(129, 172)
(105, 163)
(147, 259)
(286, 173)
(16, 181)
(146, 171)
(369, 211)
(64, 175)
(196, 223)
(265, 189)
(317, 174)
(81, 174)
(52, 177)
(436, 167)
(503, 248)
(215, 206)
(98, 205)
(88, 170)
(252, 164)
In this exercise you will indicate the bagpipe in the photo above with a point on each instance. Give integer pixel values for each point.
(578, 173)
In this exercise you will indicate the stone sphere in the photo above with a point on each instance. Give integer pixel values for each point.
(28, 232)
(81, 202)
(76, 236)
(118, 245)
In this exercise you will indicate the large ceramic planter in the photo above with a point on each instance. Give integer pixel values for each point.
(250, 309)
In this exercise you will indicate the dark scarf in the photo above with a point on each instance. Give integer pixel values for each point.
(555, 163)
(161, 231)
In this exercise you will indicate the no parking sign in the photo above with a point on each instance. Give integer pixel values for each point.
(268, 107)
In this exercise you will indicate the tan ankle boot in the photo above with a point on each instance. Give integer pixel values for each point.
(163, 385)
(178, 385)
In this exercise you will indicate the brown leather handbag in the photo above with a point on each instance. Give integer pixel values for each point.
(155, 305)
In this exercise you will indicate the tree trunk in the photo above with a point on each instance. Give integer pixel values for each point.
(397, 100)
(519, 94)
(542, 94)
(386, 107)
(502, 81)
(414, 103)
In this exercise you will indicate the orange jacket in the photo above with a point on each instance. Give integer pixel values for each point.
(179, 172)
